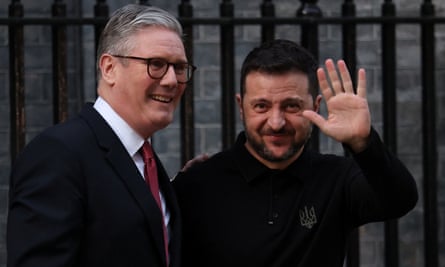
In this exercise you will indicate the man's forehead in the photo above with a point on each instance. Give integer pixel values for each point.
(271, 83)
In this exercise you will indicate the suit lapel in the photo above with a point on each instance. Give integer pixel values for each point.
(126, 170)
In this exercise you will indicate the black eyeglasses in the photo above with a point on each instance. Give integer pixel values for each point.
(157, 68)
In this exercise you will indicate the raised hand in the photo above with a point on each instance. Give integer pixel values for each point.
(349, 119)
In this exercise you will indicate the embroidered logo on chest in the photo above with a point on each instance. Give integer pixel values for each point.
(308, 217)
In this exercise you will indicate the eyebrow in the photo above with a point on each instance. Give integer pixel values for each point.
(293, 99)
(288, 99)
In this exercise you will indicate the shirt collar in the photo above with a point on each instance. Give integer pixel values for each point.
(253, 169)
(131, 140)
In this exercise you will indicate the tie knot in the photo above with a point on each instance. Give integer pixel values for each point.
(146, 152)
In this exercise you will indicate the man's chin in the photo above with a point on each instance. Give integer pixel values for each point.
(281, 154)
(276, 156)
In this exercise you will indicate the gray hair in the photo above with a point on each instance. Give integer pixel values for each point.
(126, 21)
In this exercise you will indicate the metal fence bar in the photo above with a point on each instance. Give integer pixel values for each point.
(17, 81)
(235, 21)
(309, 40)
(429, 138)
(101, 10)
(349, 39)
(349, 46)
(60, 91)
(389, 118)
(187, 119)
(267, 11)
(227, 76)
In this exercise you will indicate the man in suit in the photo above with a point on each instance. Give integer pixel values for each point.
(78, 192)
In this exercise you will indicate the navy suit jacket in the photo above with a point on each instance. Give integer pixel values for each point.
(78, 199)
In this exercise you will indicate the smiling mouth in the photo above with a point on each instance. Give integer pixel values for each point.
(162, 99)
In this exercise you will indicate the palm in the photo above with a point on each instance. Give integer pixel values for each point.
(348, 116)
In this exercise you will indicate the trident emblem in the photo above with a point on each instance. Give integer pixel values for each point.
(307, 217)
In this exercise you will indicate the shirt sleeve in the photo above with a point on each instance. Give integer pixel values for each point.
(384, 188)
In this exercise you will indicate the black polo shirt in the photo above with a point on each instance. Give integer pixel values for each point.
(237, 212)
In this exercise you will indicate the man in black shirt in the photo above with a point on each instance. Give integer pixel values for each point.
(270, 200)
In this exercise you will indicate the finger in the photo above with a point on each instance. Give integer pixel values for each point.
(325, 88)
(345, 77)
(361, 83)
(336, 83)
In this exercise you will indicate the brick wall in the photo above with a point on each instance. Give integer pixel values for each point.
(207, 91)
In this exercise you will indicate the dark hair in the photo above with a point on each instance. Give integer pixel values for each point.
(278, 57)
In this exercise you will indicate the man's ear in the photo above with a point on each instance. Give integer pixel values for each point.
(107, 67)
(239, 101)
(317, 103)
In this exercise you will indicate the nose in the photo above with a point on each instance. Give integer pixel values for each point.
(169, 78)
(276, 120)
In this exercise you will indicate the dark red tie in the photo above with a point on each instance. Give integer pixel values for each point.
(151, 177)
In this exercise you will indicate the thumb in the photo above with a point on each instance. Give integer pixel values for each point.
(314, 117)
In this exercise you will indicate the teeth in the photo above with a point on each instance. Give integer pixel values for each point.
(161, 98)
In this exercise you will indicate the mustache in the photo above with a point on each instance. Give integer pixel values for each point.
(282, 131)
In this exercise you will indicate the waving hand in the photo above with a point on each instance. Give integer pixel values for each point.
(349, 119)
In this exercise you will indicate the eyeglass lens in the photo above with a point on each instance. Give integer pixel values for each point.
(157, 68)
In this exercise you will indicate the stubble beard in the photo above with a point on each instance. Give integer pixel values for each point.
(261, 149)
